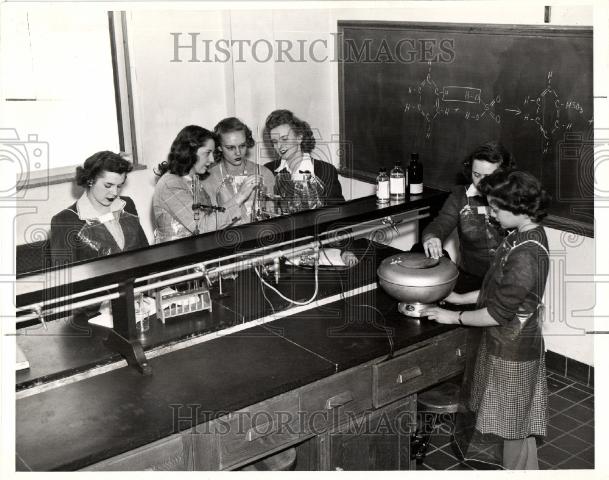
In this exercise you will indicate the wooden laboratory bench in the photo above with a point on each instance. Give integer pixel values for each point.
(229, 401)
(337, 379)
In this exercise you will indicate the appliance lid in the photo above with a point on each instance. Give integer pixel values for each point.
(416, 270)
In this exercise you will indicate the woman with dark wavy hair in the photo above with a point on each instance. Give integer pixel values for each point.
(181, 207)
(505, 384)
(466, 210)
(100, 222)
(293, 142)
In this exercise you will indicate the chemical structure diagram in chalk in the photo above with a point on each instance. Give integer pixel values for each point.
(545, 111)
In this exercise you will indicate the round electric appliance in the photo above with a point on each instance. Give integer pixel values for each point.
(417, 281)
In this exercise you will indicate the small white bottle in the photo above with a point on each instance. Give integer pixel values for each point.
(382, 187)
(397, 182)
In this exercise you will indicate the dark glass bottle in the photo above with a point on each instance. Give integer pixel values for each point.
(415, 175)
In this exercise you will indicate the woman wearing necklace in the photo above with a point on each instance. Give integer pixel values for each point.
(233, 171)
(180, 187)
(293, 142)
(505, 389)
(100, 222)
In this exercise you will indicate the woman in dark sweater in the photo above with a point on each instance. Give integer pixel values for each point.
(293, 141)
(505, 394)
(100, 222)
(467, 210)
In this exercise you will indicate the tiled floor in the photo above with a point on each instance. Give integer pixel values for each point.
(570, 440)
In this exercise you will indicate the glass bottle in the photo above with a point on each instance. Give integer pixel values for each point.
(382, 187)
(415, 175)
(397, 182)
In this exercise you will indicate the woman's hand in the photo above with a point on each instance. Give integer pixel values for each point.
(433, 247)
(247, 187)
(349, 258)
(441, 315)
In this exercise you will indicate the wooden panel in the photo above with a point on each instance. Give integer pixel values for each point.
(374, 441)
(258, 430)
(404, 375)
(453, 348)
(171, 453)
(334, 400)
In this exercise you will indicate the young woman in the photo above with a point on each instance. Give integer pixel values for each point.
(100, 222)
(507, 398)
(233, 168)
(467, 210)
(292, 141)
(179, 188)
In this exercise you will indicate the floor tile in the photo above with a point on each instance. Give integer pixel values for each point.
(584, 387)
(439, 441)
(564, 423)
(573, 394)
(461, 466)
(588, 402)
(555, 384)
(579, 413)
(585, 432)
(558, 403)
(552, 455)
(575, 463)
(587, 455)
(571, 444)
(552, 433)
(439, 460)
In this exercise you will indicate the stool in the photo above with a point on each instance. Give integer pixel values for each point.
(443, 398)
(282, 461)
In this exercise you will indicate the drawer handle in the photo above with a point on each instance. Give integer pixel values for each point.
(408, 374)
(260, 431)
(459, 352)
(339, 400)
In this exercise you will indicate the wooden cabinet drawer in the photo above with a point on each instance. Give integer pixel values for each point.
(418, 369)
(169, 453)
(258, 430)
(404, 375)
(334, 400)
(452, 350)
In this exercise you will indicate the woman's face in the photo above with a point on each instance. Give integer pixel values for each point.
(205, 157)
(106, 187)
(506, 219)
(233, 146)
(481, 169)
(285, 142)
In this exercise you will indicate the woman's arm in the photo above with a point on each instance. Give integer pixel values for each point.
(475, 318)
(463, 298)
(446, 220)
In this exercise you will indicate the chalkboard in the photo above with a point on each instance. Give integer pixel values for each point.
(442, 89)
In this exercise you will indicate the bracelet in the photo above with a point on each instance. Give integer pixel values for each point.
(459, 318)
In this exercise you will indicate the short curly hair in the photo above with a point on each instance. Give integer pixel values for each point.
(516, 191)
(183, 152)
(98, 163)
(300, 127)
(493, 152)
(228, 125)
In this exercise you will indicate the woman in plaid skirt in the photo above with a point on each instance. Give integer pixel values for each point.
(505, 394)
